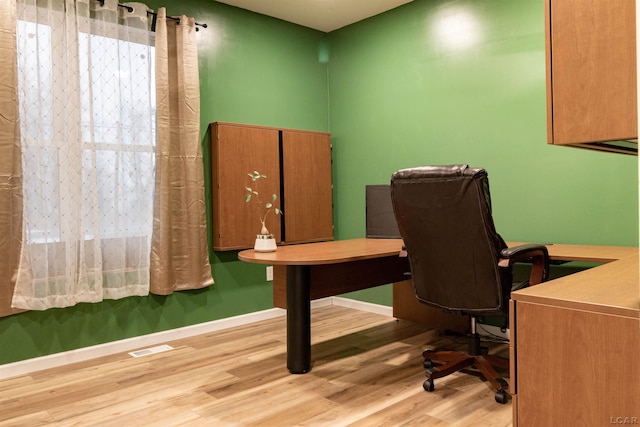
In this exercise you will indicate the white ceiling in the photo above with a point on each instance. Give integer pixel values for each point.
(323, 15)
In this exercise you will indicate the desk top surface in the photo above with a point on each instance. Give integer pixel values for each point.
(332, 252)
(613, 288)
(589, 253)
(337, 251)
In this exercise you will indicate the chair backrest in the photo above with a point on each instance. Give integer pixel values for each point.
(444, 217)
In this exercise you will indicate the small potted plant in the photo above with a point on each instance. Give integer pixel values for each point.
(264, 240)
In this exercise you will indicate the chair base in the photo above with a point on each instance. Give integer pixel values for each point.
(439, 364)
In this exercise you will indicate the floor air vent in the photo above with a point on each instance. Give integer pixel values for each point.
(150, 350)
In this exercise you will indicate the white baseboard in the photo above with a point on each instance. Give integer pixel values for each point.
(322, 302)
(363, 306)
(59, 359)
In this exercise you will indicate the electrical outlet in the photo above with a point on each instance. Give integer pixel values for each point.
(269, 273)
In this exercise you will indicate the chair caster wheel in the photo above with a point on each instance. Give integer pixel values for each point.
(428, 364)
(428, 385)
(501, 396)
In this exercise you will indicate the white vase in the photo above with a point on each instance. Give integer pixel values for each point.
(265, 243)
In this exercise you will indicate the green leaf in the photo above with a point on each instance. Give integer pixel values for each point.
(247, 197)
(268, 205)
(248, 189)
(273, 197)
(277, 211)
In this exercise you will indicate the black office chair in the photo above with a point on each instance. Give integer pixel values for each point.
(459, 263)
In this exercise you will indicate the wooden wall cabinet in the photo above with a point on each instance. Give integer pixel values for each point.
(297, 164)
(591, 74)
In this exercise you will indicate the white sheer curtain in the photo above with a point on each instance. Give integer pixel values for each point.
(86, 95)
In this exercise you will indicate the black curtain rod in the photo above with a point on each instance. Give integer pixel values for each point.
(155, 15)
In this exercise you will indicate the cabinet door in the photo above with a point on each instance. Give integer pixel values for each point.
(591, 71)
(308, 193)
(575, 366)
(238, 150)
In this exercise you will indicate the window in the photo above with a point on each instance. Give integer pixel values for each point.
(87, 122)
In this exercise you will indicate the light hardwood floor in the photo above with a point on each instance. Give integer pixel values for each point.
(367, 372)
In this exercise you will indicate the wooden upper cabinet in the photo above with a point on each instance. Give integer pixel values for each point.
(237, 151)
(591, 72)
(308, 193)
(298, 169)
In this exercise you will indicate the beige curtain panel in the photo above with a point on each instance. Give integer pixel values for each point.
(179, 252)
(10, 165)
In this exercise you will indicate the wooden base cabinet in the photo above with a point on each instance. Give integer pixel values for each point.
(575, 349)
(297, 164)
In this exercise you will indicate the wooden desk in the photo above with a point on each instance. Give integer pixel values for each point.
(316, 270)
(575, 348)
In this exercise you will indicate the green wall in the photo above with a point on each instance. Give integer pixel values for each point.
(400, 97)
(403, 94)
(393, 94)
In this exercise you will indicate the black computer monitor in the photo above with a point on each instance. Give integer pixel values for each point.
(381, 222)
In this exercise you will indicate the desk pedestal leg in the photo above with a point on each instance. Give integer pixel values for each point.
(298, 319)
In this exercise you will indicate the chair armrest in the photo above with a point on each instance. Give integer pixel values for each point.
(536, 254)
